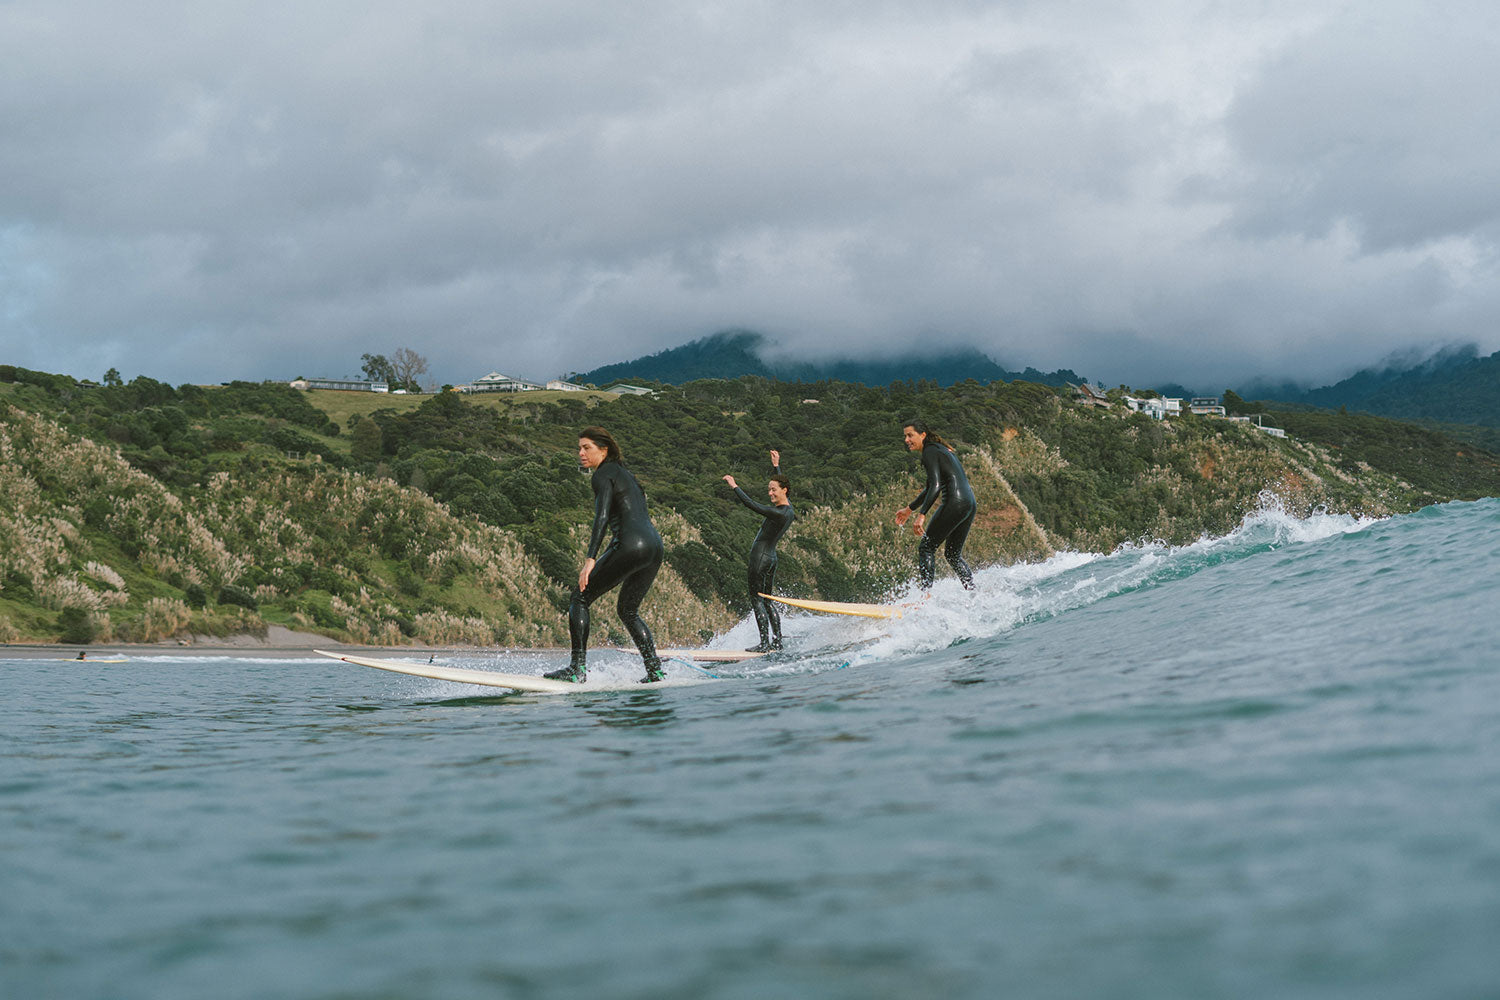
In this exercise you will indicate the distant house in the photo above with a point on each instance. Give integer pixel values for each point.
(1273, 431)
(1155, 408)
(1089, 396)
(1206, 406)
(565, 386)
(352, 384)
(496, 382)
(631, 390)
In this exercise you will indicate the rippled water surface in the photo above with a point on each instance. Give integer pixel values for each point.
(1263, 765)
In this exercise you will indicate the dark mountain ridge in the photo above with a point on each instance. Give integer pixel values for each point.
(1454, 390)
(734, 353)
(1454, 386)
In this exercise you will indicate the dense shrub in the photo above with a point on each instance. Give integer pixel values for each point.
(77, 626)
(234, 595)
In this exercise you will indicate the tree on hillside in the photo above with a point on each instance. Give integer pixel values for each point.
(1233, 404)
(407, 365)
(378, 368)
(366, 441)
(399, 371)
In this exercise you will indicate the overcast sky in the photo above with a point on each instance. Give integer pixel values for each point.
(1198, 190)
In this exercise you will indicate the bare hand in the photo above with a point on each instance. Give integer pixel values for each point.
(775, 457)
(902, 515)
(583, 575)
(916, 526)
(732, 484)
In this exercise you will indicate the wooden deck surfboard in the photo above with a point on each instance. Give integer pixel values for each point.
(841, 607)
(489, 678)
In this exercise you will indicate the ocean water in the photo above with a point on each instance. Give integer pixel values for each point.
(1263, 765)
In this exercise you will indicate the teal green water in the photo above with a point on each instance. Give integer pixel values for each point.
(1260, 766)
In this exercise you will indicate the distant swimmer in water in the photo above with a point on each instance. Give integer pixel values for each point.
(778, 517)
(82, 655)
(630, 562)
(950, 526)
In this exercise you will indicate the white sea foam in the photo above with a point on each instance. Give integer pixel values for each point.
(1010, 596)
(1007, 597)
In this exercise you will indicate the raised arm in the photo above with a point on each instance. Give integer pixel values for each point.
(764, 510)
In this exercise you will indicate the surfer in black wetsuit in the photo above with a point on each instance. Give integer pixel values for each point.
(630, 562)
(950, 526)
(762, 577)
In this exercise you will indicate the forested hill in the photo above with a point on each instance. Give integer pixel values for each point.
(736, 353)
(143, 511)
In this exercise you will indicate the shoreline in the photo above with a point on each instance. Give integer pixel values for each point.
(280, 643)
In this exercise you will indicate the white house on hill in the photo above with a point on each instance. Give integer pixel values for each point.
(1155, 407)
(496, 382)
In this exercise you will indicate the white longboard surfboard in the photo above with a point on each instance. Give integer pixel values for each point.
(488, 678)
(840, 607)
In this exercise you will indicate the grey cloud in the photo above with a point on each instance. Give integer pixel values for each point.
(1135, 190)
(1385, 121)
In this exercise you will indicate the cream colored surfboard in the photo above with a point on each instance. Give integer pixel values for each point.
(841, 607)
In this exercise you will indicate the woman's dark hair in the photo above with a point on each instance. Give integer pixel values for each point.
(605, 440)
(920, 426)
(782, 481)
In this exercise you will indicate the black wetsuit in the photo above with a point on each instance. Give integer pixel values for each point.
(946, 479)
(630, 562)
(762, 575)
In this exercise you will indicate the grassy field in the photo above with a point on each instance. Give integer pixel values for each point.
(341, 404)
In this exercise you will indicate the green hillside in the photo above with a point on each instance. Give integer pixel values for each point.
(143, 511)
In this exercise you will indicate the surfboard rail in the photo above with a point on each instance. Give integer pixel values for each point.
(492, 678)
(462, 675)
